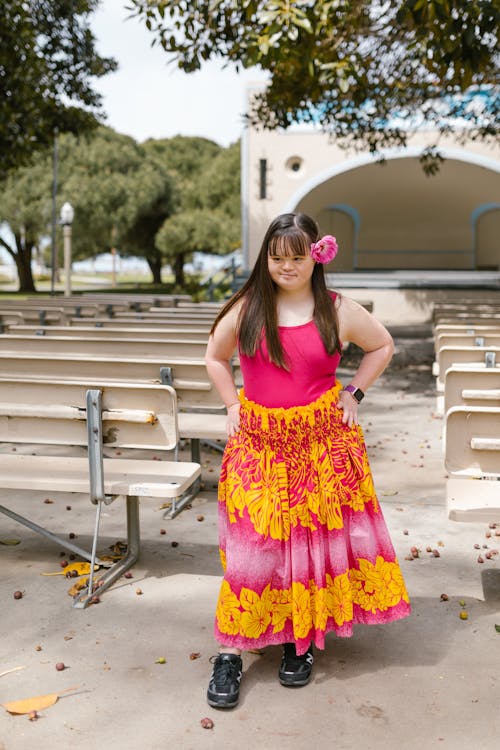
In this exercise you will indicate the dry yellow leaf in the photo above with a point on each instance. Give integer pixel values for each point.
(82, 568)
(38, 703)
(10, 542)
(31, 704)
(78, 586)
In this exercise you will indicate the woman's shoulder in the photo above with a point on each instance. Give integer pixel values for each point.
(335, 296)
(230, 317)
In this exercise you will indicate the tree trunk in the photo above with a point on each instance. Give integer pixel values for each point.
(22, 258)
(178, 269)
(155, 264)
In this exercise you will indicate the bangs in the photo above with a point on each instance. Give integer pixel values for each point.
(290, 244)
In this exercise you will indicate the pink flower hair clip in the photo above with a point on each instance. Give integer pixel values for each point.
(325, 249)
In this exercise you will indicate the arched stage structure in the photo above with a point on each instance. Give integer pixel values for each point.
(387, 214)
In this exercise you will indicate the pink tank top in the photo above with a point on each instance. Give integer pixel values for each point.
(312, 370)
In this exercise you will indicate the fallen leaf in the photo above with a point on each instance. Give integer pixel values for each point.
(82, 568)
(10, 542)
(78, 586)
(389, 493)
(161, 660)
(26, 705)
(497, 628)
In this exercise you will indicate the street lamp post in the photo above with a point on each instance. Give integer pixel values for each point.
(67, 216)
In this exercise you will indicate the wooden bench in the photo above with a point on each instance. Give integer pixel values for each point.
(34, 315)
(465, 307)
(462, 330)
(490, 338)
(467, 386)
(8, 319)
(448, 356)
(201, 413)
(472, 457)
(54, 415)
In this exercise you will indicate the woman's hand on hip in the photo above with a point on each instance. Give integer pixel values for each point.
(233, 419)
(349, 407)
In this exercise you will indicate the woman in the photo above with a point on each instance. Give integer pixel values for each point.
(303, 542)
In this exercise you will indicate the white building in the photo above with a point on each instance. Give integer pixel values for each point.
(385, 217)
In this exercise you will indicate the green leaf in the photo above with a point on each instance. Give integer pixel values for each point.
(497, 628)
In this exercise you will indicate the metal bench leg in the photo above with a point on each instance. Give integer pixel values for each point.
(45, 532)
(83, 599)
(195, 450)
(179, 504)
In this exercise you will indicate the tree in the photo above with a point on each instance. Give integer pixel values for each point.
(155, 201)
(368, 72)
(47, 65)
(25, 205)
(121, 196)
(208, 219)
(115, 190)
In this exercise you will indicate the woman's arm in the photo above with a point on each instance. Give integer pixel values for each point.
(220, 349)
(360, 327)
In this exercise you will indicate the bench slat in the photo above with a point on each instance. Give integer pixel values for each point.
(485, 444)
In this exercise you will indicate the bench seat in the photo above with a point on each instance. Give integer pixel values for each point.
(141, 477)
(473, 500)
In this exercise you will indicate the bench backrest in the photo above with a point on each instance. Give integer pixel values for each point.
(150, 300)
(139, 347)
(490, 338)
(150, 323)
(472, 441)
(447, 356)
(188, 377)
(135, 415)
(471, 387)
(110, 331)
(40, 315)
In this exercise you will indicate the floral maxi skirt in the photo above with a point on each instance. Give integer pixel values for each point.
(303, 542)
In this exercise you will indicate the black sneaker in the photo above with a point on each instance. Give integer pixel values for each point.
(295, 671)
(224, 686)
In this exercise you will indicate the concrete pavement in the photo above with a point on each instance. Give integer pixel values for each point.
(430, 681)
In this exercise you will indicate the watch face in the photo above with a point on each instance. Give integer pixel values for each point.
(356, 393)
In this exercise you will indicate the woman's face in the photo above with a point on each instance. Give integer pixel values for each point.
(290, 272)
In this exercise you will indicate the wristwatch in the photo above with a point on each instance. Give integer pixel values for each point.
(355, 392)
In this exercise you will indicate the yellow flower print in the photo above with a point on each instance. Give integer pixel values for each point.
(223, 562)
(257, 616)
(301, 610)
(340, 598)
(319, 611)
(267, 504)
(228, 611)
(281, 608)
(378, 586)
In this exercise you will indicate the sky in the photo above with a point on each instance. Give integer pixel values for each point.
(148, 97)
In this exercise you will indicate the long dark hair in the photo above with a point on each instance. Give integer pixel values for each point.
(291, 234)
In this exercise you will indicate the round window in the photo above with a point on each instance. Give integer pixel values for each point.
(294, 164)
